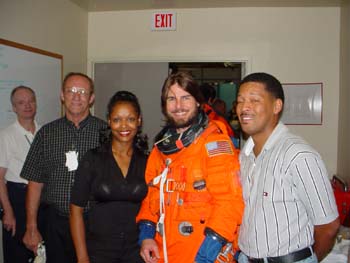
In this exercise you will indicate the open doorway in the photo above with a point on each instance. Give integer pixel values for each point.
(145, 79)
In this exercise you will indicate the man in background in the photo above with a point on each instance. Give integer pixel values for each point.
(290, 213)
(50, 168)
(15, 141)
(209, 94)
(219, 106)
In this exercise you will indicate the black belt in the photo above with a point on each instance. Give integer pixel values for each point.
(290, 258)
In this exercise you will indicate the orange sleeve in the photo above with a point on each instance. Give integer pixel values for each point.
(224, 186)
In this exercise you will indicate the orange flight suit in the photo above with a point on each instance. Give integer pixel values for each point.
(210, 157)
(213, 115)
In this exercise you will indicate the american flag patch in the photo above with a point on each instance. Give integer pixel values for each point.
(218, 147)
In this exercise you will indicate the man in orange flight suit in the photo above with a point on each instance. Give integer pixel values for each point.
(209, 94)
(194, 203)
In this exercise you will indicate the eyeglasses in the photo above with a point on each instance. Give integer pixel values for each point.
(76, 90)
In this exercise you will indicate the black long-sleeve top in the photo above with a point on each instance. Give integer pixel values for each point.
(114, 199)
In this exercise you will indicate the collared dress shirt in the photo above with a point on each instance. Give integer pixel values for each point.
(286, 191)
(15, 142)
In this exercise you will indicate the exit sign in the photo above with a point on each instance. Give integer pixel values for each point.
(163, 21)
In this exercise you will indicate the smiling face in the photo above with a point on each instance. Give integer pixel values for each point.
(77, 97)
(257, 110)
(181, 108)
(124, 122)
(24, 104)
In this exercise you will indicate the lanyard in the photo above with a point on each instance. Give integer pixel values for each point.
(29, 142)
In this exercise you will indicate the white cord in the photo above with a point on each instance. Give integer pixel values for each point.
(161, 179)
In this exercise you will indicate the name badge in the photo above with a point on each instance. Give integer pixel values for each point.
(72, 160)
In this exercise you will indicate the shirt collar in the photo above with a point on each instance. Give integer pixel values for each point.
(82, 124)
(271, 141)
(24, 131)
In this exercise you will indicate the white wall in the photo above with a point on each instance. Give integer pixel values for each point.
(344, 109)
(58, 26)
(294, 44)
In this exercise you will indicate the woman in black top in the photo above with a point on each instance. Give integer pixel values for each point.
(111, 179)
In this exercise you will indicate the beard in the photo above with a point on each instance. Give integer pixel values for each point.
(179, 124)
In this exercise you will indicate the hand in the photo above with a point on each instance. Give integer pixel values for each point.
(9, 222)
(32, 238)
(149, 251)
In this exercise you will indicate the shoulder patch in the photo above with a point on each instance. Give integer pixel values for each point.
(218, 147)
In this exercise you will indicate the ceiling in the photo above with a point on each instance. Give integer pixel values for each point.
(118, 5)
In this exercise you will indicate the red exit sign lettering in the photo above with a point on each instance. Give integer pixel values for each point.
(163, 21)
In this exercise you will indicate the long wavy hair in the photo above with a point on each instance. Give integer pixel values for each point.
(185, 82)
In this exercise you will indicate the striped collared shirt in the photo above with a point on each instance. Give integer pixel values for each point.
(286, 192)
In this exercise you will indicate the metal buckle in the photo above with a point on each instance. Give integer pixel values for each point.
(167, 185)
(226, 254)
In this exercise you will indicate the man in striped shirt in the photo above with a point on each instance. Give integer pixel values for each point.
(290, 213)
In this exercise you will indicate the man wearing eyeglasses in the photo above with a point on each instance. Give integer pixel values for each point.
(50, 168)
(15, 141)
